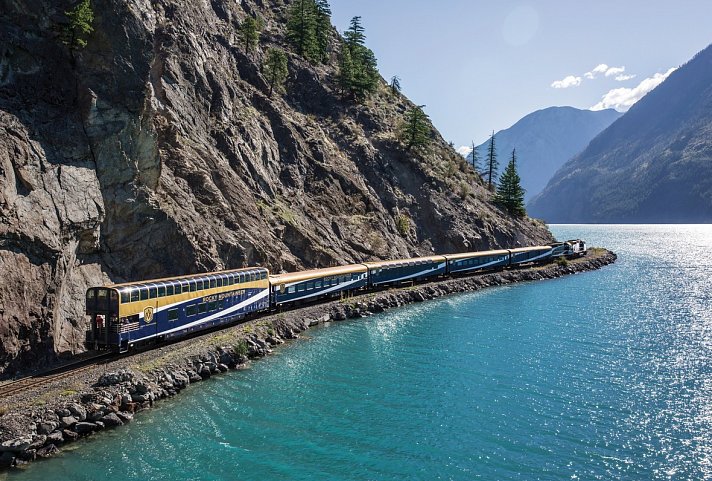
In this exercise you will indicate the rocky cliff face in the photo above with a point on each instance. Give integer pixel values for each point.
(157, 151)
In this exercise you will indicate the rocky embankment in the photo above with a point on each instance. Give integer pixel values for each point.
(39, 423)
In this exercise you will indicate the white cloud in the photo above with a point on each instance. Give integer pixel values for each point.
(567, 82)
(464, 150)
(623, 98)
(624, 77)
(603, 69)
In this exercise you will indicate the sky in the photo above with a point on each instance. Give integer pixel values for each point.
(480, 66)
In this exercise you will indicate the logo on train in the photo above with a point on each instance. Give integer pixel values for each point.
(148, 314)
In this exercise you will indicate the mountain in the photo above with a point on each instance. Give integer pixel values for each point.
(157, 150)
(653, 165)
(545, 140)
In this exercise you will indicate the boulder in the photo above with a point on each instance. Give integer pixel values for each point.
(124, 416)
(47, 451)
(67, 421)
(78, 411)
(84, 427)
(111, 420)
(55, 438)
(70, 435)
(46, 427)
(16, 446)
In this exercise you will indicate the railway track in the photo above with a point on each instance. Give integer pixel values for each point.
(57, 374)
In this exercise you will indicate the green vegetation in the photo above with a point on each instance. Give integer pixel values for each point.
(403, 224)
(275, 69)
(416, 128)
(249, 32)
(4, 410)
(358, 71)
(562, 261)
(510, 194)
(492, 164)
(395, 84)
(241, 348)
(74, 35)
(308, 25)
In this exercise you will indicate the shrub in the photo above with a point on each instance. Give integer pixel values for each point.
(562, 261)
(241, 348)
(403, 224)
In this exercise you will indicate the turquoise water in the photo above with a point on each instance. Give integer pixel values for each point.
(603, 375)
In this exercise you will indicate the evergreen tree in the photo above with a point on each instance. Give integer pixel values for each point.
(322, 28)
(301, 28)
(492, 164)
(80, 20)
(510, 193)
(475, 158)
(358, 69)
(416, 129)
(275, 69)
(395, 84)
(250, 32)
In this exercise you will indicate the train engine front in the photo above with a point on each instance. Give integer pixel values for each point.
(102, 307)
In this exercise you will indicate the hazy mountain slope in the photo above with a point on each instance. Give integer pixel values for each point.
(653, 165)
(159, 152)
(545, 140)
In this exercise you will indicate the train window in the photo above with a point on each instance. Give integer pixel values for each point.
(213, 283)
(220, 282)
(317, 284)
(290, 290)
(169, 290)
(152, 292)
(162, 291)
(90, 294)
(300, 288)
(202, 307)
(199, 285)
(229, 280)
(192, 286)
(124, 297)
(177, 289)
(191, 310)
(144, 293)
(264, 275)
(172, 314)
(134, 295)
(310, 285)
(212, 306)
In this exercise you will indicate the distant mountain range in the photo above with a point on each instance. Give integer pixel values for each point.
(653, 165)
(545, 140)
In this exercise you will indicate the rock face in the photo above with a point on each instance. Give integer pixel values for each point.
(545, 140)
(156, 150)
(653, 165)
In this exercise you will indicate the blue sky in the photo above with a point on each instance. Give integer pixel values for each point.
(481, 66)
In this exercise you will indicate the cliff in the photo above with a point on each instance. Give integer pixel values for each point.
(652, 165)
(157, 150)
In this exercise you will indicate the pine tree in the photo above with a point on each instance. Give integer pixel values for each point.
(475, 158)
(510, 193)
(250, 33)
(275, 69)
(395, 84)
(358, 68)
(80, 20)
(492, 164)
(322, 28)
(416, 129)
(301, 28)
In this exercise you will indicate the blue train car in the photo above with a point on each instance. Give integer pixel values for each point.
(133, 314)
(393, 272)
(524, 255)
(560, 249)
(316, 283)
(475, 261)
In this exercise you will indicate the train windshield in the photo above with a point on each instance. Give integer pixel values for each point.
(102, 300)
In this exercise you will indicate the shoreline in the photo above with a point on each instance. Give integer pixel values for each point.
(41, 420)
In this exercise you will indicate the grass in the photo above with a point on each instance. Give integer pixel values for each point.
(241, 347)
(403, 224)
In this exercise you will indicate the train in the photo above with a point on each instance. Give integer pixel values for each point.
(135, 314)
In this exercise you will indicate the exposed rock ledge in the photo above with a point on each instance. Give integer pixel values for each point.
(40, 422)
